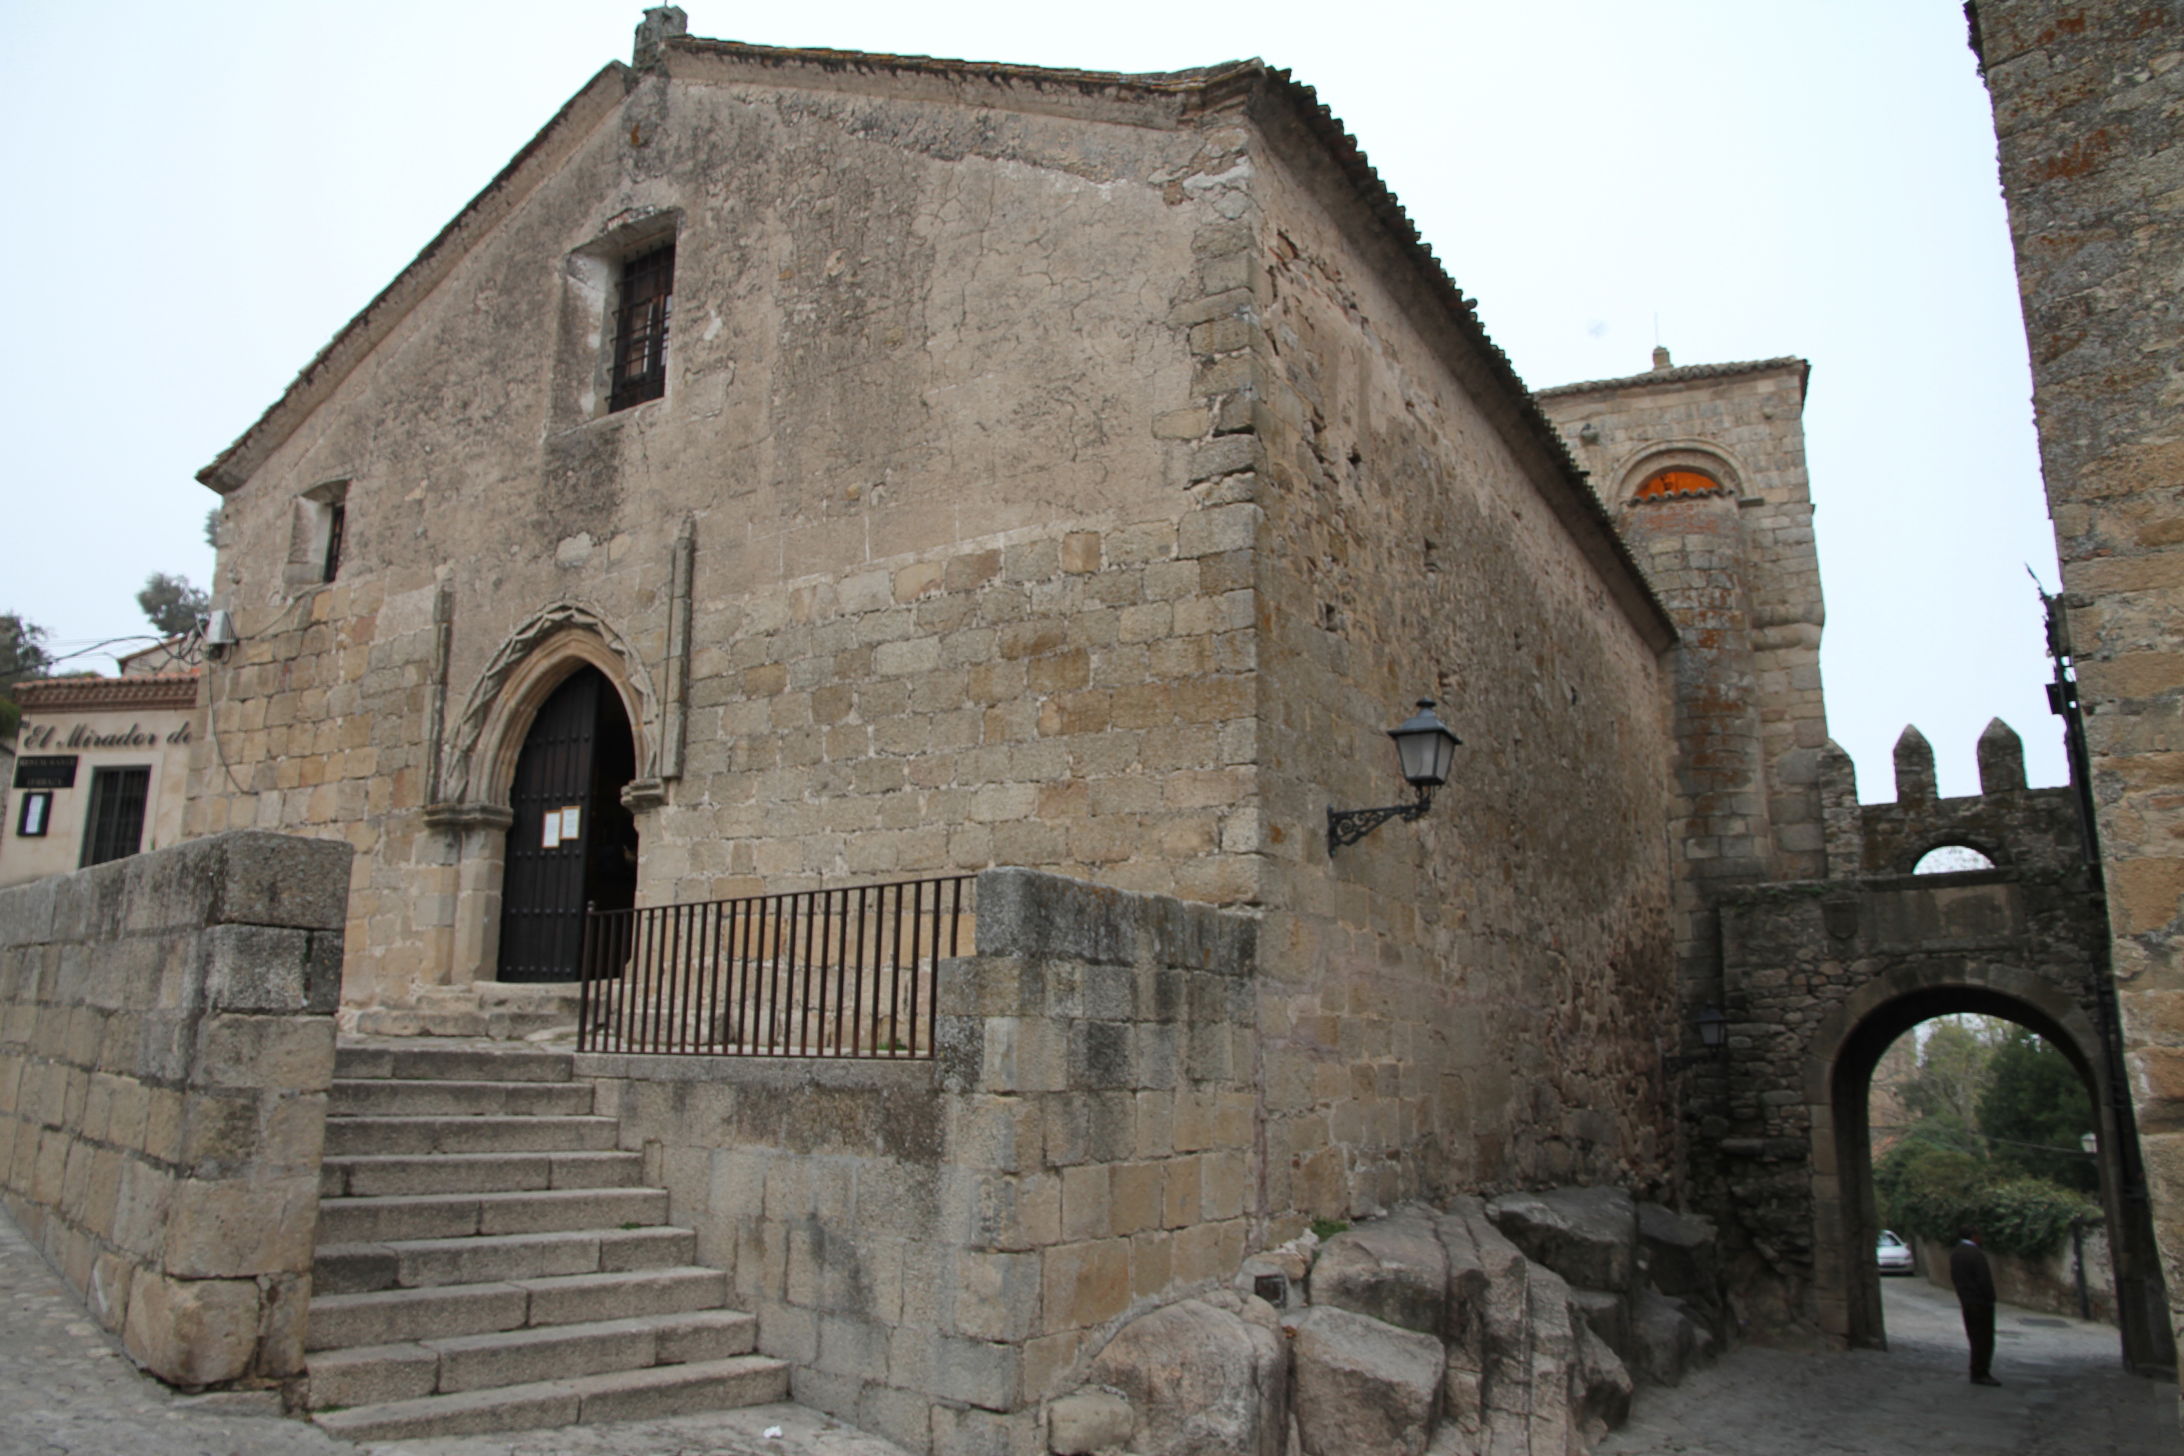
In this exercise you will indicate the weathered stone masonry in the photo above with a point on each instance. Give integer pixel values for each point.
(1072, 471)
(939, 1247)
(2085, 104)
(166, 1043)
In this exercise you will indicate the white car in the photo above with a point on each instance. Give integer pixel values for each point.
(1892, 1254)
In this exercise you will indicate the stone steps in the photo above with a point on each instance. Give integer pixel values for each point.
(426, 1263)
(393, 1097)
(459, 1363)
(347, 1136)
(490, 1260)
(487, 1010)
(622, 1395)
(454, 1215)
(372, 1175)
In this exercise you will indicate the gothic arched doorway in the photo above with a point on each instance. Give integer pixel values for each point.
(573, 843)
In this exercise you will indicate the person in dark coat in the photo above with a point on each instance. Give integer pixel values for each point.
(1974, 1283)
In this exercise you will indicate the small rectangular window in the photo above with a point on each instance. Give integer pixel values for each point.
(640, 328)
(337, 525)
(318, 536)
(37, 812)
(113, 825)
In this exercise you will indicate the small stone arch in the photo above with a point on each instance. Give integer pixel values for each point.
(534, 660)
(1693, 457)
(1845, 1046)
(1996, 854)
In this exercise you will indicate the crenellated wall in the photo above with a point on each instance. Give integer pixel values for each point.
(1821, 976)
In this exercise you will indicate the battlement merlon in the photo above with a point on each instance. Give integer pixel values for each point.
(2013, 826)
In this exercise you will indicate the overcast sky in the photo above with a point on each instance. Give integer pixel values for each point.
(202, 194)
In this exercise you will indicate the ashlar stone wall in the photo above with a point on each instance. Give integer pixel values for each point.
(1081, 472)
(2086, 99)
(166, 1045)
(938, 1247)
(919, 564)
(1473, 1000)
(1738, 570)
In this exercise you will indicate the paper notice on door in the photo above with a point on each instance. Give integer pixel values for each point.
(571, 820)
(549, 836)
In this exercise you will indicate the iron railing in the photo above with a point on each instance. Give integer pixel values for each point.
(813, 973)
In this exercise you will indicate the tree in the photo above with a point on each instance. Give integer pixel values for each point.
(2035, 1110)
(171, 603)
(23, 655)
(1954, 1069)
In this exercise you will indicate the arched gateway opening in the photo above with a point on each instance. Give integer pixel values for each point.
(1848, 1217)
(572, 842)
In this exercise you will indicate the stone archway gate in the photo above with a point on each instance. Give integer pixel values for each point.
(1819, 977)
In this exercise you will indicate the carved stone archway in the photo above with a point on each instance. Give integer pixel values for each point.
(534, 660)
(479, 762)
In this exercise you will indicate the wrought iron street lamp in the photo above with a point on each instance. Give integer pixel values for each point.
(1424, 747)
(1713, 1028)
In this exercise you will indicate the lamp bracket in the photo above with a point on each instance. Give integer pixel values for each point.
(1348, 826)
(1673, 1062)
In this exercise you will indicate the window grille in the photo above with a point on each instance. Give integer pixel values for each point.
(114, 823)
(337, 526)
(640, 328)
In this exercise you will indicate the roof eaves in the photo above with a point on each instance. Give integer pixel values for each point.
(89, 694)
(239, 461)
(1571, 495)
(1687, 373)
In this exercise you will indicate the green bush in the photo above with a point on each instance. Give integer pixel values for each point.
(1935, 1192)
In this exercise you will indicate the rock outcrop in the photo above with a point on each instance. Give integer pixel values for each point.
(1519, 1326)
(1205, 1377)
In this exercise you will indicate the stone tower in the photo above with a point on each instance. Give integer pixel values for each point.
(1703, 469)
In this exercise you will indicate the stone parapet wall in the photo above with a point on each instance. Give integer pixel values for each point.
(939, 1246)
(166, 1045)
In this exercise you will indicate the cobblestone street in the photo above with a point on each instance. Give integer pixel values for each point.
(2063, 1393)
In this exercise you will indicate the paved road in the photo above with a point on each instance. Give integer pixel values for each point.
(67, 1390)
(2063, 1393)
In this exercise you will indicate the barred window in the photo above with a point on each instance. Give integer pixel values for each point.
(640, 328)
(114, 824)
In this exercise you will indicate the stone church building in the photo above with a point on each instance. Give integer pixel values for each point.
(805, 469)
(878, 467)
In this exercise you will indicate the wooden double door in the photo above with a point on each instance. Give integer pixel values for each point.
(573, 843)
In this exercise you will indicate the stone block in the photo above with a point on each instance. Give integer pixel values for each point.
(240, 1229)
(277, 1053)
(1088, 1422)
(192, 1332)
(281, 879)
(256, 968)
(1038, 916)
(1084, 1284)
(1394, 1270)
(996, 1295)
